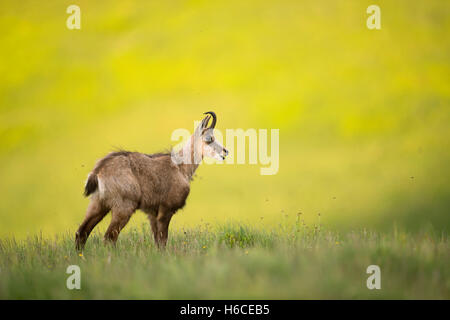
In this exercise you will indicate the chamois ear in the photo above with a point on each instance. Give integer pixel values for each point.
(205, 122)
(202, 125)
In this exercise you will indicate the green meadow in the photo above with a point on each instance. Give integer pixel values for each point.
(231, 262)
(364, 145)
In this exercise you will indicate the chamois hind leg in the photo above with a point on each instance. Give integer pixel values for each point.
(162, 225)
(121, 214)
(94, 214)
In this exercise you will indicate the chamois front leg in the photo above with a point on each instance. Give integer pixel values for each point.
(153, 224)
(162, 226)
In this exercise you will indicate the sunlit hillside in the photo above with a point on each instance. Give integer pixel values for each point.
(363, 114)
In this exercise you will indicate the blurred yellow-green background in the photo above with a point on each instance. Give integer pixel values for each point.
(363, 114)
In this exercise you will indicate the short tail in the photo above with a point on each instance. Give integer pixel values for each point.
(91, 184)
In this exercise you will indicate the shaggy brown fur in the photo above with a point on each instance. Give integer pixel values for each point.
(125, 181)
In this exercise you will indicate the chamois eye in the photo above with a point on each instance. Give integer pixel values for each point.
(208, 139)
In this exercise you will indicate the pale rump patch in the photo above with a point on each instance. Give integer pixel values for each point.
(101, 187)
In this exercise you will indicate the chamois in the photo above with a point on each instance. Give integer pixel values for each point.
(157, 184)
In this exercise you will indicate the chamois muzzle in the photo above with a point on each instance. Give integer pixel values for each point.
(224, 153)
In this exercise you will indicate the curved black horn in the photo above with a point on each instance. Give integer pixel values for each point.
(213, 123)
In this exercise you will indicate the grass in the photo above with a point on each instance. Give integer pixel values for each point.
(231, 261)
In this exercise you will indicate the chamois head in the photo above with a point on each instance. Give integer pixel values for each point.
(201, 144)
(205, 143)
